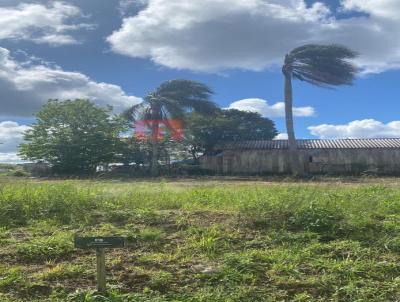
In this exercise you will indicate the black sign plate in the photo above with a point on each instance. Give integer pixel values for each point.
(99, 242)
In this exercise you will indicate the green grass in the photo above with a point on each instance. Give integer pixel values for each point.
(203, 240)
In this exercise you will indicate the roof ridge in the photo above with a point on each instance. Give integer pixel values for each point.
(350, 143)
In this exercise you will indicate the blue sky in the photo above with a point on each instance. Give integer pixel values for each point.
(116, 51)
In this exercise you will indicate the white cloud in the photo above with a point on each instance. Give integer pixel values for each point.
(25, 87)
(213, 35)
(281, 136)
(368, 128)
(276, 110)
(10, 158)
(11, 135)
(382, 8)
(50, 24)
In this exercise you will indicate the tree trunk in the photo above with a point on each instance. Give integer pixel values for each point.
(194, 154)
(295, 165)
(154, 147)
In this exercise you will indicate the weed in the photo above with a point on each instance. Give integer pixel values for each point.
(60, 272)
(12, 278)
(160, 280)
(42, 249)
(292, 242)
(207, 241)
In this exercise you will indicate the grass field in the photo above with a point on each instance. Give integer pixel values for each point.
(203, 240)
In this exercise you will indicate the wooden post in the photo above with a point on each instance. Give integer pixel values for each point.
(100, 243)
(101, 270)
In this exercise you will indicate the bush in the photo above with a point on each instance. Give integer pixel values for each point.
(19, 173)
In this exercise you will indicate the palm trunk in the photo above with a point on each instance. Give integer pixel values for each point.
(295, 166)
(154, 147)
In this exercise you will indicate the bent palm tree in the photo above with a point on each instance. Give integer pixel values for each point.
(171, 100)
(321, 65)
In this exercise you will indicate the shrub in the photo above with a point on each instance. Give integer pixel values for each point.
(19, 173)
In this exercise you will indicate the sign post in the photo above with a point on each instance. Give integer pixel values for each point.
(101, 270)
(100, 243)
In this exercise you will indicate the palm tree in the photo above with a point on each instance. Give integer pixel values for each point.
(171, 100)
(321, 65)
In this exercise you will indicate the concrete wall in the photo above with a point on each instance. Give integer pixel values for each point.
(341, 161)
(211, 163)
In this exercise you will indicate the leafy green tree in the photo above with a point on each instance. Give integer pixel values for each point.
(203, 132)
(171, 100)
(130, 150)
(73, 136)
(320, 65)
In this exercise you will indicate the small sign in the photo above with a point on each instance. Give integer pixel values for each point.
(99, 242)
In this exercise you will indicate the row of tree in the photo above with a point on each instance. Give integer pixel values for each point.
(77, 136)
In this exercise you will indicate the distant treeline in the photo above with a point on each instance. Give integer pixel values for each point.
(78, 137)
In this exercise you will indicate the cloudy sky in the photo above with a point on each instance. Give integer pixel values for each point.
(116, 51)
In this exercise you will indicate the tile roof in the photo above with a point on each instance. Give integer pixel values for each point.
(373, 143)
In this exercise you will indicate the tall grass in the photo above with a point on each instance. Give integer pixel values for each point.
(202, 242)
(332, 211)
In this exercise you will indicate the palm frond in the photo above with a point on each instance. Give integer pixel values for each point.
(322, 65)
(132, 113)
(172, 109)
(188, 94)
(181, 89)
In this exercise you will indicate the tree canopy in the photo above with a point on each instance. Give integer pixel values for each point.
(321, 65)
(202, 132)
(73, 136)
(171, 100)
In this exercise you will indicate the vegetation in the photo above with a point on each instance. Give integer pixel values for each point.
(320, 65)
(170, 101)
(12, 170)
(73, 136)
(202, 133)
(67, 142)
(203, 240)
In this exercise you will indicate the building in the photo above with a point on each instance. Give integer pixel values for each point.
(343, 156)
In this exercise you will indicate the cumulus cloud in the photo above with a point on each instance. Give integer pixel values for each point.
(216, 34)
(212, 35)
(382, 8)
(11, 135)
(276, 110)
(368, 128)
(25, 87)
(283, 136)
(50, 24)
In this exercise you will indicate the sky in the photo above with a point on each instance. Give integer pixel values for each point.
(116, 51)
